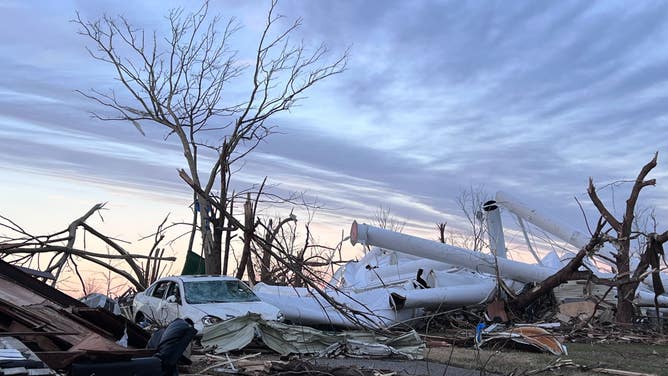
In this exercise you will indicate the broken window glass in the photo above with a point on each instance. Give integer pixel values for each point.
(218, 291)
(159, 290)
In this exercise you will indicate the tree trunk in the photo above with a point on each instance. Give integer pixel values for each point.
(265, 271)
(211, 257)
(193, 231)
(299, 265)
(228, 239)
(248, 238)
(218, 238)
(298, 272)
(441, 231)
(625, 294)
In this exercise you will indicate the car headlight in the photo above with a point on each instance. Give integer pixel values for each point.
(280, 317)
(210, 320)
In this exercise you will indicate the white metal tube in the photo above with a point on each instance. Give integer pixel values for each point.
(394, 272)
(497, 242)
(446, 297)
(300, 306)
(558, 229)
(526, 239)
(646, 299)
(370, 235)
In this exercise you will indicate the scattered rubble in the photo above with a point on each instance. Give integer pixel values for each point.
(17, 359)
(96, 300)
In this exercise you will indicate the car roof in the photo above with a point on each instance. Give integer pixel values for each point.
(190, 278)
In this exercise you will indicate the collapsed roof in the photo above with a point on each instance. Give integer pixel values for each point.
(59, 328)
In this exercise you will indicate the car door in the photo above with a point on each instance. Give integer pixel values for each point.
(154, 302)
(171, 309)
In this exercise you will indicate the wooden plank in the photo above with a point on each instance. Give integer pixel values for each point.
(36, 273)
(13, 334)
(59, 359)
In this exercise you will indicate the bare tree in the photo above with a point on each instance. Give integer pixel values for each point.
(440, 226)
(384, 218)
(625, 279)
(178, 82)
(470, 202)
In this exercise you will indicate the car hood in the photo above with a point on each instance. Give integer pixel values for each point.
(224, 310)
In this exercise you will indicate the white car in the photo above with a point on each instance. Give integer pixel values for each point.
(200, 300)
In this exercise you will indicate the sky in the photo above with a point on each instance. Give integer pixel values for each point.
(531, 98)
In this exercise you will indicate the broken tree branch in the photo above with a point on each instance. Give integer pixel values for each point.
(564, 274)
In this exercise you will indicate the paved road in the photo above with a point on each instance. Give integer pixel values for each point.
(402, 368)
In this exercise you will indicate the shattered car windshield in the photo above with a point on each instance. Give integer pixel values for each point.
(218, 291)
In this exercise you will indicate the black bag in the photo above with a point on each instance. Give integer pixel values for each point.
(171, 342)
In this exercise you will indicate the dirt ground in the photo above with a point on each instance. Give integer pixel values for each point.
(335, 367)
(583, 359)
(641, 358)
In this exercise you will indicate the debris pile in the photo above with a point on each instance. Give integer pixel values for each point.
(400, 276)
(65, 334)
(372, 308)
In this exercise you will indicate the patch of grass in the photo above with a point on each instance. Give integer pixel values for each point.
(645, 358)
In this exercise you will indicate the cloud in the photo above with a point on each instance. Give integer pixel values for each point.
(526, 97)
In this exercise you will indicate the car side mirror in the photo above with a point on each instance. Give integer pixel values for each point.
(171, 299)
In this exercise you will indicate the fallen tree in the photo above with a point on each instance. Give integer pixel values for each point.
(21, 248)
(568, 273)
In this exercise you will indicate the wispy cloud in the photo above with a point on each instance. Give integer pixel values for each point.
(529, 97)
